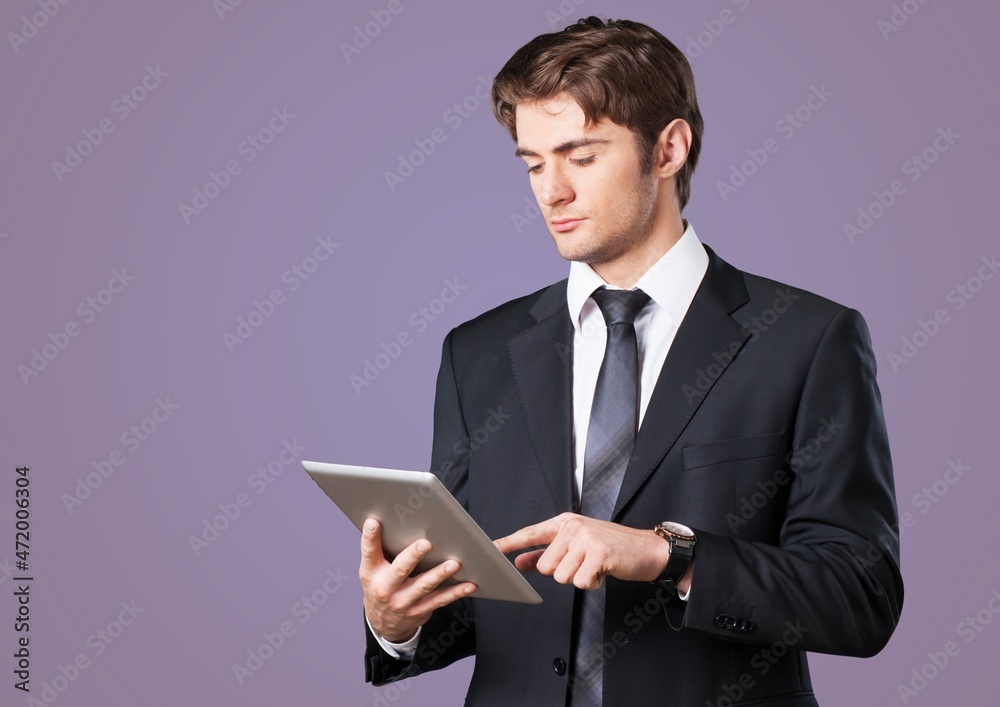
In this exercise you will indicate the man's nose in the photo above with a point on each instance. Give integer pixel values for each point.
(555, 188)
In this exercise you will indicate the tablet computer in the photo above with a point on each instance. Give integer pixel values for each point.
(415, 504)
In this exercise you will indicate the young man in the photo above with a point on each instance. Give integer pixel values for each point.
(697, 455)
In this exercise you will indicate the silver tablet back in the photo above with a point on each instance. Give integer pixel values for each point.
(413, 504)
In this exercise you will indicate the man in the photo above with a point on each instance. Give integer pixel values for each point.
(695, 458)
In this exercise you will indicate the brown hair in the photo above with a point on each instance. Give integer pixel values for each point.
(619, 69)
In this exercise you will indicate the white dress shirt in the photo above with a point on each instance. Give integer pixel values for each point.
(671, 283)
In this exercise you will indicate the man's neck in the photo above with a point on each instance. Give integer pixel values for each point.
(625, 271)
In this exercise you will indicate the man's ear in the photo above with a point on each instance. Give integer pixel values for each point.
(671, 149)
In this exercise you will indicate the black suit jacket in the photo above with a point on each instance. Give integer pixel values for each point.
(764, 434)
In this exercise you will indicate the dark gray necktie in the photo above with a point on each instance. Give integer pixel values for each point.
(610, 436)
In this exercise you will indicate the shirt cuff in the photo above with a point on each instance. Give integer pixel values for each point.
(402, 651)
(682, 597)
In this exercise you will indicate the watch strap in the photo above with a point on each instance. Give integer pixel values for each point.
(681, 556)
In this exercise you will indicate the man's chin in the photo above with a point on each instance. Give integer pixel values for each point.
(570, 248)
(569, 253)
(580, 255)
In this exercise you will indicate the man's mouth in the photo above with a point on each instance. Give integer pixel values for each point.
(566, 224)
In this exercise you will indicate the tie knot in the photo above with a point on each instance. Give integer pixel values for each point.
(620, 306)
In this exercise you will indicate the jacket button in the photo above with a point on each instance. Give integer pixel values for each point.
(741, 625)
(750, 625)
(559, 665)
(731, 622)
(720, 620)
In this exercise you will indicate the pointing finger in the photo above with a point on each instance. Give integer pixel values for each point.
(538, 534)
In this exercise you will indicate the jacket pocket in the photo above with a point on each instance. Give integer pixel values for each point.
(734, 449)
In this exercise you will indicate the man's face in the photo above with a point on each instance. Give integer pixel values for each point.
(597, 205)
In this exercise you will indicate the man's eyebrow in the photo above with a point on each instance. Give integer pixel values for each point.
(563, 147)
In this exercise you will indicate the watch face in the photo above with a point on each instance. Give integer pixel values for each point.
(678, 529)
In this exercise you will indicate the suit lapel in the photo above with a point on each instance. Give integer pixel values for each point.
(702, 349)
(542, 360)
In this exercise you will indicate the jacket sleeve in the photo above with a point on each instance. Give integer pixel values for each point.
(832, 584)
(449, 635)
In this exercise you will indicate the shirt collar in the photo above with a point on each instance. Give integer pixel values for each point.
(671, 281)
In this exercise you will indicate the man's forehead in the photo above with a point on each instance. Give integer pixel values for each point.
(557, 126)
(561, 109)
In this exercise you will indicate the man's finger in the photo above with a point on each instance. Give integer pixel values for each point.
(568, 566)
(526, 562)
(537, 534)
(443, 597)
(553, 556)
(371, 545)
(589, 575)
(408, 559)
(426, 582)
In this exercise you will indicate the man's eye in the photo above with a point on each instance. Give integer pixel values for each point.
(583, 162)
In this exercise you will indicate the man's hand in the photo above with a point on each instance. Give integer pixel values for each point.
(582, 551)
(395, 603)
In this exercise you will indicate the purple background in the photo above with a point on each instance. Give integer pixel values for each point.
(324, 176)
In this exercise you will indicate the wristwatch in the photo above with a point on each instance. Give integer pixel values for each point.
(682, 541)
